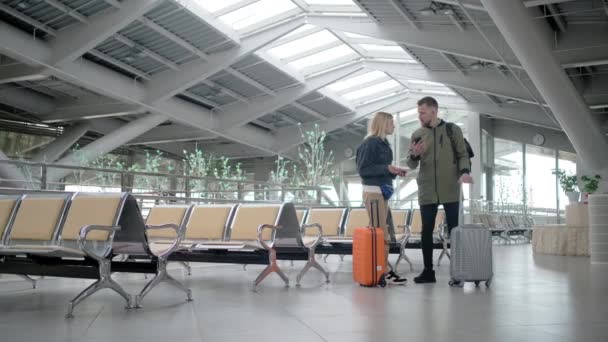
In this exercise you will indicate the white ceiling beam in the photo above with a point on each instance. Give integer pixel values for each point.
(400, 8)
(309, 52)
(19, 73)
(236, 73)
(320, 68)
(308, 111)
(67, 10)
(128, 42)
(556, 16)
(226, 91)
(171, 133)
(233, 7)
(27, 19)
(120, 64)
(113, 3)
(456, 21)
(289, 137)
(363, 85)
(361, 101)
(452, 61)
(167, 84)
(27, 100)
(476, 5)
(89, 109)
(174, 38)
(580, 44)
(281, 66)
(200, 99)
(339, 100)
(79, 39)
(295, 36)
(468, 44)
(209, 19)
(106, 144)
(62, 143)
(240, 114)
(482, 82)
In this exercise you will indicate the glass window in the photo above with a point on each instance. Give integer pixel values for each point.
(540, 182)
(508, 172)
(256, 13)
(329, 2)
(565, 161)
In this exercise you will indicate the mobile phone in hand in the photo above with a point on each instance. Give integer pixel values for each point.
(417, 140)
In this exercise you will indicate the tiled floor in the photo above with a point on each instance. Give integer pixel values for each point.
(533, 298)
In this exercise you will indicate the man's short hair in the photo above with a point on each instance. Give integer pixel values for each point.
(428, 101)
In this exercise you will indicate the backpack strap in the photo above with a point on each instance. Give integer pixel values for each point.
(449, 127)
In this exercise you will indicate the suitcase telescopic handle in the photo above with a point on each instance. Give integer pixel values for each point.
(375, 219)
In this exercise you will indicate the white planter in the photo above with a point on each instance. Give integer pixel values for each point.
(573, 196)
(598, 222)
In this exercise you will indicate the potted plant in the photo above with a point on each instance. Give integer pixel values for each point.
(590, 185)
(568, 184)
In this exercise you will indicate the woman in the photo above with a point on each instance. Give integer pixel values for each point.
(374, 158)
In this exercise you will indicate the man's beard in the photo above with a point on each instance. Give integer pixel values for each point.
(426, 124)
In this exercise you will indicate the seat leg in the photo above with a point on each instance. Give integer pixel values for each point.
(312, 262)
(172, 281)
(272, 267)
(30, 279)
(342, 257)
(444, 252)
(161, 275)
(325, 258)
(105, 281)
(187, 267)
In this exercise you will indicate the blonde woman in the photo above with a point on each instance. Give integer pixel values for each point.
(374, 164)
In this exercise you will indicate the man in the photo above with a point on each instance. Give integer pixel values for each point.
(439, 148)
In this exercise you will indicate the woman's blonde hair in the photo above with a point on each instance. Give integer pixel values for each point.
(378, 125)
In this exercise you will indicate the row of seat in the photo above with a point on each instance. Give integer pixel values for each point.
(338, 226)
(505, 226)
(65, 225)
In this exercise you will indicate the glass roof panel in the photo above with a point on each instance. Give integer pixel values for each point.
(353, 81)
(303, 44)
(376, 88)
(214, 5)
(324, 56)
(329, 2)
(256, 13)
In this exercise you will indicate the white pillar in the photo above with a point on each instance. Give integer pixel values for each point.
(531, 43)
(474, 129)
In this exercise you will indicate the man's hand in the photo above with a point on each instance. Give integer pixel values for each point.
(418, 148)
(466, 179)
(397, 170)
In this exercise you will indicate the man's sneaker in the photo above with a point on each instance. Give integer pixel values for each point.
(427, 276)
(393, 278)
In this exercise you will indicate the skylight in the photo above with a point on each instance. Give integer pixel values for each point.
(382, 48)
(376, 88)
(329, 2)
(215, 6)
(256, 12)
(323, 57)
(354, 81)
(303, 44)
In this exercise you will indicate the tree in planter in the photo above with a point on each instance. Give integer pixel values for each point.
(568, 184)
(152, 164)
(314, 161)
(198, 164)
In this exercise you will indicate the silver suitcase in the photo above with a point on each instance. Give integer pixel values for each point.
(471, 255)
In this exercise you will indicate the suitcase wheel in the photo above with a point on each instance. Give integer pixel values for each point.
(477, 283)
(488, 282)
(382, 282)
(454, 282)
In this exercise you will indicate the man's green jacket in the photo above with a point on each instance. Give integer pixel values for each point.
(441, 164)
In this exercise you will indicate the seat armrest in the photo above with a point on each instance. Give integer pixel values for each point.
(267, 246)
(179, 233)
(82, 238)
(319, 236)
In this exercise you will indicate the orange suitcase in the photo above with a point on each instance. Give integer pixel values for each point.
(369, 265)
